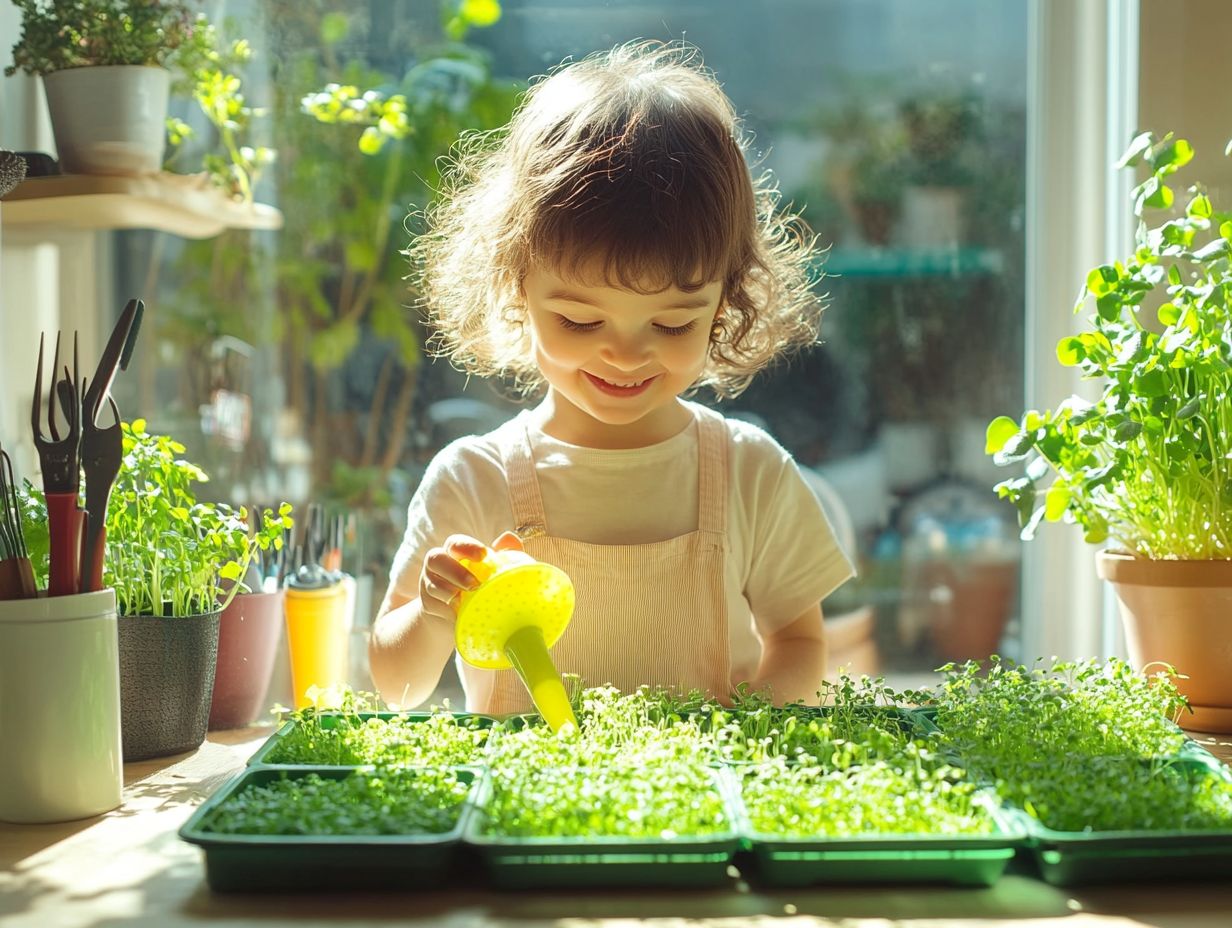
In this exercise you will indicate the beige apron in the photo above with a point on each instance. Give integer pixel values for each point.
(650, 613)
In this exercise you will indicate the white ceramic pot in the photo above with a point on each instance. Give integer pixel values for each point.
(59, 708)
(109, 120)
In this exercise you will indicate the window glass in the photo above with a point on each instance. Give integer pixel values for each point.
(292, 367)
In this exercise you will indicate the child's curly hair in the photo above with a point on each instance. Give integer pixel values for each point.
(629, 161)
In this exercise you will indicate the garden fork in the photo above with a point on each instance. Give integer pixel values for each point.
(102, 450)
(61, 465)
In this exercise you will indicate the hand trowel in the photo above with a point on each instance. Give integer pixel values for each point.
(519, 610)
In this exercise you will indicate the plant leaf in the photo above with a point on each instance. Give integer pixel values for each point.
(999, 431)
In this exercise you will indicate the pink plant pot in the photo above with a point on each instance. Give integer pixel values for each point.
(248, 636)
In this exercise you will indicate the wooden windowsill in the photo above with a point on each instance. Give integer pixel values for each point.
(181, 204)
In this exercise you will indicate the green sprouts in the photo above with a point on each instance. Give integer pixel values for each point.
(365, 802)
(348, 740)
(660, 801)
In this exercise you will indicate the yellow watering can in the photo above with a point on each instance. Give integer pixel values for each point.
(517, 612)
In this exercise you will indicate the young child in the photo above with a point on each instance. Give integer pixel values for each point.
(612, 246)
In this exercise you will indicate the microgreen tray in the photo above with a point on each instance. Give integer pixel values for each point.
(962, 860)
(1067, 858)
(597, 860)
(292, 862)
(268, 753)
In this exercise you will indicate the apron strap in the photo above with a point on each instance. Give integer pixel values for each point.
(711, 471)
(528, 514)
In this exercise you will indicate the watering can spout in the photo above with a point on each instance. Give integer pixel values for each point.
(528, 653)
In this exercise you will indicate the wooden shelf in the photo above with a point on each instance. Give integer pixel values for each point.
(182, 204)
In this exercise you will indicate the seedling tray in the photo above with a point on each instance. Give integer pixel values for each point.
(603, 861)
(293, 863)
(1069, 858)
(267, 754)
(962, 860)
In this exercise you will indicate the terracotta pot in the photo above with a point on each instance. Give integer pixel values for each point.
(1180, 613)
(970, 604)
(166, 681)
(248, 634)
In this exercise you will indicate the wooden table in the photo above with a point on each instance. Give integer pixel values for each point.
(129, 868)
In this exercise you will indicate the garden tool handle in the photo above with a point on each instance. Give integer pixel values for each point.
(93, 546)
(64, 526)
(17, 579)
(528, 654)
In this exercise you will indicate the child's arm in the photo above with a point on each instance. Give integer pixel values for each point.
(793, 660)
(412, 639)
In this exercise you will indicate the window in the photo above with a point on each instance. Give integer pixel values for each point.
(289, 364)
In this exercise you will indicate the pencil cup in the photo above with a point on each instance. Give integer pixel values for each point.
(60, 755)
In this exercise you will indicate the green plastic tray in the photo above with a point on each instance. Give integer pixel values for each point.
(330, 720)
(293, 863)
(554, 862)
(976, 860)
(1069, 858)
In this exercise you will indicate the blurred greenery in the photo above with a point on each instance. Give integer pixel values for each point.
(360, 112)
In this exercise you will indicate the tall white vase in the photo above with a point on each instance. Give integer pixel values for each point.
(109, 120)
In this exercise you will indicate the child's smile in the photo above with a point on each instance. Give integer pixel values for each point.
(620, 388)
(617, 359)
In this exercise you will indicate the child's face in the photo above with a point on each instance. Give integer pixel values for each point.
(619, 356)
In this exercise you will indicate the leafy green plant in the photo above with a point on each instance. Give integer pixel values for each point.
(366, 802)
(941, 131)
(1148, 466)
(233, 166)
(167, 553)
(61, 34)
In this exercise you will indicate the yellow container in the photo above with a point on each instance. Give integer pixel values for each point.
(317, 640)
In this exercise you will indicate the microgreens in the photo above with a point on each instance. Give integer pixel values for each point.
(345, 739)
(878, 798)
(1119, 794)
(1009, 714)
(366, 802)
(657, 799)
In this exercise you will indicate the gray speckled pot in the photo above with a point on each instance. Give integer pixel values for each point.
(166, 682)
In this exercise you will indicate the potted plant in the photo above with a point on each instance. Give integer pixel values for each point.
(175, 564)
(250, 626)
(1147, 467)
(940, 128)
(107, 69)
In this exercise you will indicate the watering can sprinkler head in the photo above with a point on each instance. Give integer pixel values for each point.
(519, 610)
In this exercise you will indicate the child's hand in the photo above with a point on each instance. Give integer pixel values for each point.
(443, 577)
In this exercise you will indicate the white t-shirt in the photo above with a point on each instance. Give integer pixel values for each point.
(782, 556)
